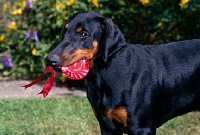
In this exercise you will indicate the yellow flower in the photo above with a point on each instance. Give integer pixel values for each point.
(21, 63)
(95, 3)
(6, 6)
(69, 2)
(145, 2)
(17, 12)
(33, 51)
(60, 6)
(160, 24)
(184, 3)
(22, 3)
(12, 26)
(2, 38)
(31, 67)
(64, 15)
(14, 12)
(51, 15)
(63, 78)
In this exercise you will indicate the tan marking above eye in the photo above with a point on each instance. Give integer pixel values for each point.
(119, 114)
(66, 26)
(79, 29)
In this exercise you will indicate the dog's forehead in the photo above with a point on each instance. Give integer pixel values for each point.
(82, 19)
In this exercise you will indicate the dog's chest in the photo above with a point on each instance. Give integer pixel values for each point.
(118, 114)
(103, 108)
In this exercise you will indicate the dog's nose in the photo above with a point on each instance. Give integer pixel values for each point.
(52, 59)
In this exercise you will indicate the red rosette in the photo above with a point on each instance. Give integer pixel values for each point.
(76, 71)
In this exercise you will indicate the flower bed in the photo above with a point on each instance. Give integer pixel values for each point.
(32, 27)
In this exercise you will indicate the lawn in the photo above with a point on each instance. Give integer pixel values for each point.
(70, 116)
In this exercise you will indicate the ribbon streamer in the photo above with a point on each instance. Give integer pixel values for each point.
(75, 71)
(48, 84)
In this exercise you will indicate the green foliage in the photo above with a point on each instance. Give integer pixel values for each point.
(156, 22)
(141, 21)
(44, 17)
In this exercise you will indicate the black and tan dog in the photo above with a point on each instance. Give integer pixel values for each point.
(132, 88)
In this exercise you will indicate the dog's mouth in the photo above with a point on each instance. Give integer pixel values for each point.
(57, 69)
(59, 65)
(69, 58)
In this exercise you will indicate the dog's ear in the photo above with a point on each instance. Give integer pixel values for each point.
(111, 40)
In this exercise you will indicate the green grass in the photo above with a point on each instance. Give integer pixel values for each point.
(188, 124)
(70, 116)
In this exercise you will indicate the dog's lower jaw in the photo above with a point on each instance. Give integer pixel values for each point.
(57, 69)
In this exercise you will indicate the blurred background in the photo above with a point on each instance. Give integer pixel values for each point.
(30, 28)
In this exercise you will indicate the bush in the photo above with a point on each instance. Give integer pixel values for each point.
(32, 27)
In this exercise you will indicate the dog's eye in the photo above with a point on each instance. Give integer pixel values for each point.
(83, 34)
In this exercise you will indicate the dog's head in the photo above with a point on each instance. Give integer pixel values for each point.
(84, 36)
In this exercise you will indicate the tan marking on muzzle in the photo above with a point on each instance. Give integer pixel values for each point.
(67, 59)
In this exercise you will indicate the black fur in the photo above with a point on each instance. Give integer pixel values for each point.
(154, 83)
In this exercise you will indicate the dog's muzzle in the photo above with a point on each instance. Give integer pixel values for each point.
(52, 59)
